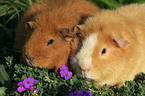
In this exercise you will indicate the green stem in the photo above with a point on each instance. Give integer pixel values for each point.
(30, 2)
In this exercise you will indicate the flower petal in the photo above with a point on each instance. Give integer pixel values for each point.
(20, 89)
(89, 92)
(64, 72)
(27, 86)
(70, 74)
(20, 83)
(67, 77)
(63, 67)
(71, 94)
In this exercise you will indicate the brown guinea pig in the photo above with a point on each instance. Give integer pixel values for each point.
(40, 32)
(113, 48)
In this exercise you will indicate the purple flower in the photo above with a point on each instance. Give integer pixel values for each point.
(33, 80)
(86, 94)
(63, 67)
(81, 93)
(89, 92)
(68, 75)
(28, 82)
(63, 70)
(21, 88)
(63, 73)
(75, 92)
(71, 94)
(78, 92)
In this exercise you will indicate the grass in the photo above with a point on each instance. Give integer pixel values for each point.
(13, 71)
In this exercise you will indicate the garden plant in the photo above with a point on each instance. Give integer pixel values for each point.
(18, 79)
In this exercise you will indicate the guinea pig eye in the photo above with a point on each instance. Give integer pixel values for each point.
(50, 42)
(103, 51)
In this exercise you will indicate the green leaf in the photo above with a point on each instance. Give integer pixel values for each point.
(74, 79)
(139, 1)
(3, 27)
(2, 91)
(111, 3)
(16, 13)
(121, 1)
(3, 74)
(24, 76)
(104, 93)
(18, 3)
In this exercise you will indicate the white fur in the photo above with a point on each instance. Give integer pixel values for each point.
(85, 74)
(85, 54)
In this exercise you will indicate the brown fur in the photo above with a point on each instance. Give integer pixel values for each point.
(122, 33)
(48, 18)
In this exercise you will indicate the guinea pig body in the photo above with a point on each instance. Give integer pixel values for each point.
(113, 48)
(38, 34)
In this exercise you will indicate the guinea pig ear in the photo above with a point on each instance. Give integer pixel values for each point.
(66, 34)
(29, 25)
(78, 28)
(120, 42)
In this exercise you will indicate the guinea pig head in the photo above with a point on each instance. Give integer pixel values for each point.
(47, 46)
(103, 55)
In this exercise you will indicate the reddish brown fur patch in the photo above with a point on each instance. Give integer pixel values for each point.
(48, 18)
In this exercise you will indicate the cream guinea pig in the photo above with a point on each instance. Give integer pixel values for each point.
(113, 48)
(40, 34)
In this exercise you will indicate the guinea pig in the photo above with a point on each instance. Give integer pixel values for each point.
(40, 34)
(113, 48)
